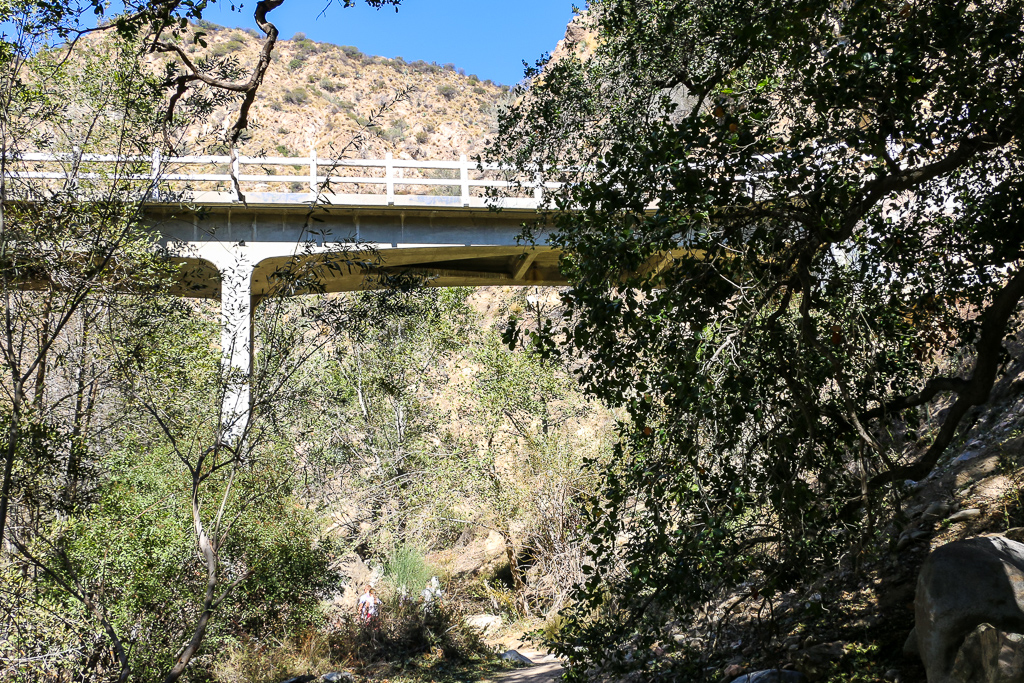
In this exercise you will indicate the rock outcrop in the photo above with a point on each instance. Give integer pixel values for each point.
(989, 655)
(961, 586)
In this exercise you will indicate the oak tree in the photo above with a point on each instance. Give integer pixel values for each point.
(779, 219)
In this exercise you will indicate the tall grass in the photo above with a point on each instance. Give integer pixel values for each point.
(407, 567)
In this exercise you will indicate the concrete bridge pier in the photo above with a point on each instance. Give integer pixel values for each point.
(236, 308)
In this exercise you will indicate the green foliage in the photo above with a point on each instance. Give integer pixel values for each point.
(447, 91)
(404, 629)
(351, 51)
(298, 37)
(407, 568)
(330, 86)
(222, 49)
(768, 328)
(297, 95)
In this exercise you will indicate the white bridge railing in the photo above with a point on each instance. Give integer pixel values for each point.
(168, 178)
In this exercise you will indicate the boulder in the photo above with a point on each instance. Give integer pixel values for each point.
(485, 623)
(337, 677)
(989, 655)
(910, 650)
(962, 585)
(300, 679)
(965, 515)
(773, 676)
(733, 671)
(514, 656)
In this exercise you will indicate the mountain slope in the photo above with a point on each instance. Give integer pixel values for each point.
(318, 95)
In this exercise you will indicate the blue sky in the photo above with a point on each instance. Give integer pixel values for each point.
(485, 37)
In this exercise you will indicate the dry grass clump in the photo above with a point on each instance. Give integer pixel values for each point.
(403, 632)
(271, 662)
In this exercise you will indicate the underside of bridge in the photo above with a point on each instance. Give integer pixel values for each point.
(241, 253)
(350, 248)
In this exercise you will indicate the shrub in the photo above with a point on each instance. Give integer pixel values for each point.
(298, 37)
(351, 51)
(330, 86)
(208, 25)
(449, 67)
(296, 63)
(296, 96)
(275, 106)
(407, 567)
(424, 67)
(422, 137)
(404, 629)
(226, 48)
(473, 78)
(447, 91)
(479, 91)
(283, 151)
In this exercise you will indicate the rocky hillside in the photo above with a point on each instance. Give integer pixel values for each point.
(318, 95)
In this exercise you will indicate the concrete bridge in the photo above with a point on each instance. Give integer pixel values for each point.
(350, 222)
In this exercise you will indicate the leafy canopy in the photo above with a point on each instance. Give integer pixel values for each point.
(777, 217)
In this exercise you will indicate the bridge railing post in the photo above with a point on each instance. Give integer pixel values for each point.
(464, 177)
(389, 176)
(313, 171)
(154, 175)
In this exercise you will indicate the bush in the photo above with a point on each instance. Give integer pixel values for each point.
(473, 78)
(226, 48)
(447, 91)
(296, 96)
(407, 567)
(479, 91)
(283, 151)
(424, 67)
(296, 63)
(404, 629)
(298, 37)
(422, 136)
(330, 86)
(351, 51)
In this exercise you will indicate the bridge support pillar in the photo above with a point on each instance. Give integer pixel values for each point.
(236, 338)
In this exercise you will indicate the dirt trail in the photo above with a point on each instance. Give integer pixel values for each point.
(544, 670)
